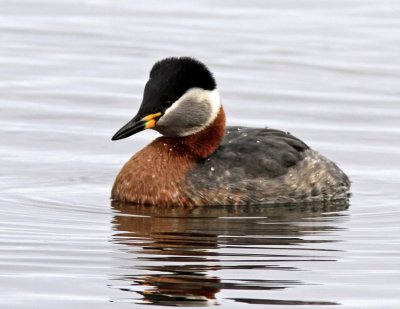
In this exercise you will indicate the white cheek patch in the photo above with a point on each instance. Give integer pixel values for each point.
(196, 106)
(215, 102)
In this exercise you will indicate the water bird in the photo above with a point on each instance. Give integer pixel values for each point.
(199, 161)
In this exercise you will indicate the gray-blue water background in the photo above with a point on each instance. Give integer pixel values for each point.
(72, 72)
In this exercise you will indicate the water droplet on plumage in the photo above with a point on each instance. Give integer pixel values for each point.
(212, 169)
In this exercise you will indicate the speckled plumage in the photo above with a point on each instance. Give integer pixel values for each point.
(258, 166)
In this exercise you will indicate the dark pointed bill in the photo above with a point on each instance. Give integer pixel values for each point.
(136, 125)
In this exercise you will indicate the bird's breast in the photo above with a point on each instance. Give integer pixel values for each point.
(155, 175)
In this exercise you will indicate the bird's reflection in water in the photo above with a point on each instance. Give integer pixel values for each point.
(186, 256)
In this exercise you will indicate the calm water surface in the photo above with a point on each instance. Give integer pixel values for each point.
(72, 72)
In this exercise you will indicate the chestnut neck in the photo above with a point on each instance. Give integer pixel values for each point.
(202, 144)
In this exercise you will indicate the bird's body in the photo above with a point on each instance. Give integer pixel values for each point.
(199, 161)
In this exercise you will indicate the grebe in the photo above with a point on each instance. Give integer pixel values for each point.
(198, 161)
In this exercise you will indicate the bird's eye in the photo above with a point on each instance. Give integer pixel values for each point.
(167, 103)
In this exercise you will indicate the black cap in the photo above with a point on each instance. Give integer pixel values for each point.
(169, 79)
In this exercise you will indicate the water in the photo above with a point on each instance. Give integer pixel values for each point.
(72, 72)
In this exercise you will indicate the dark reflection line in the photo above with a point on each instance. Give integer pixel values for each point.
(198, 245)
(237, 245)
(204, 268)
(179, 249)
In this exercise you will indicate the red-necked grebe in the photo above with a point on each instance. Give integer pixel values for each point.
(200, 161)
